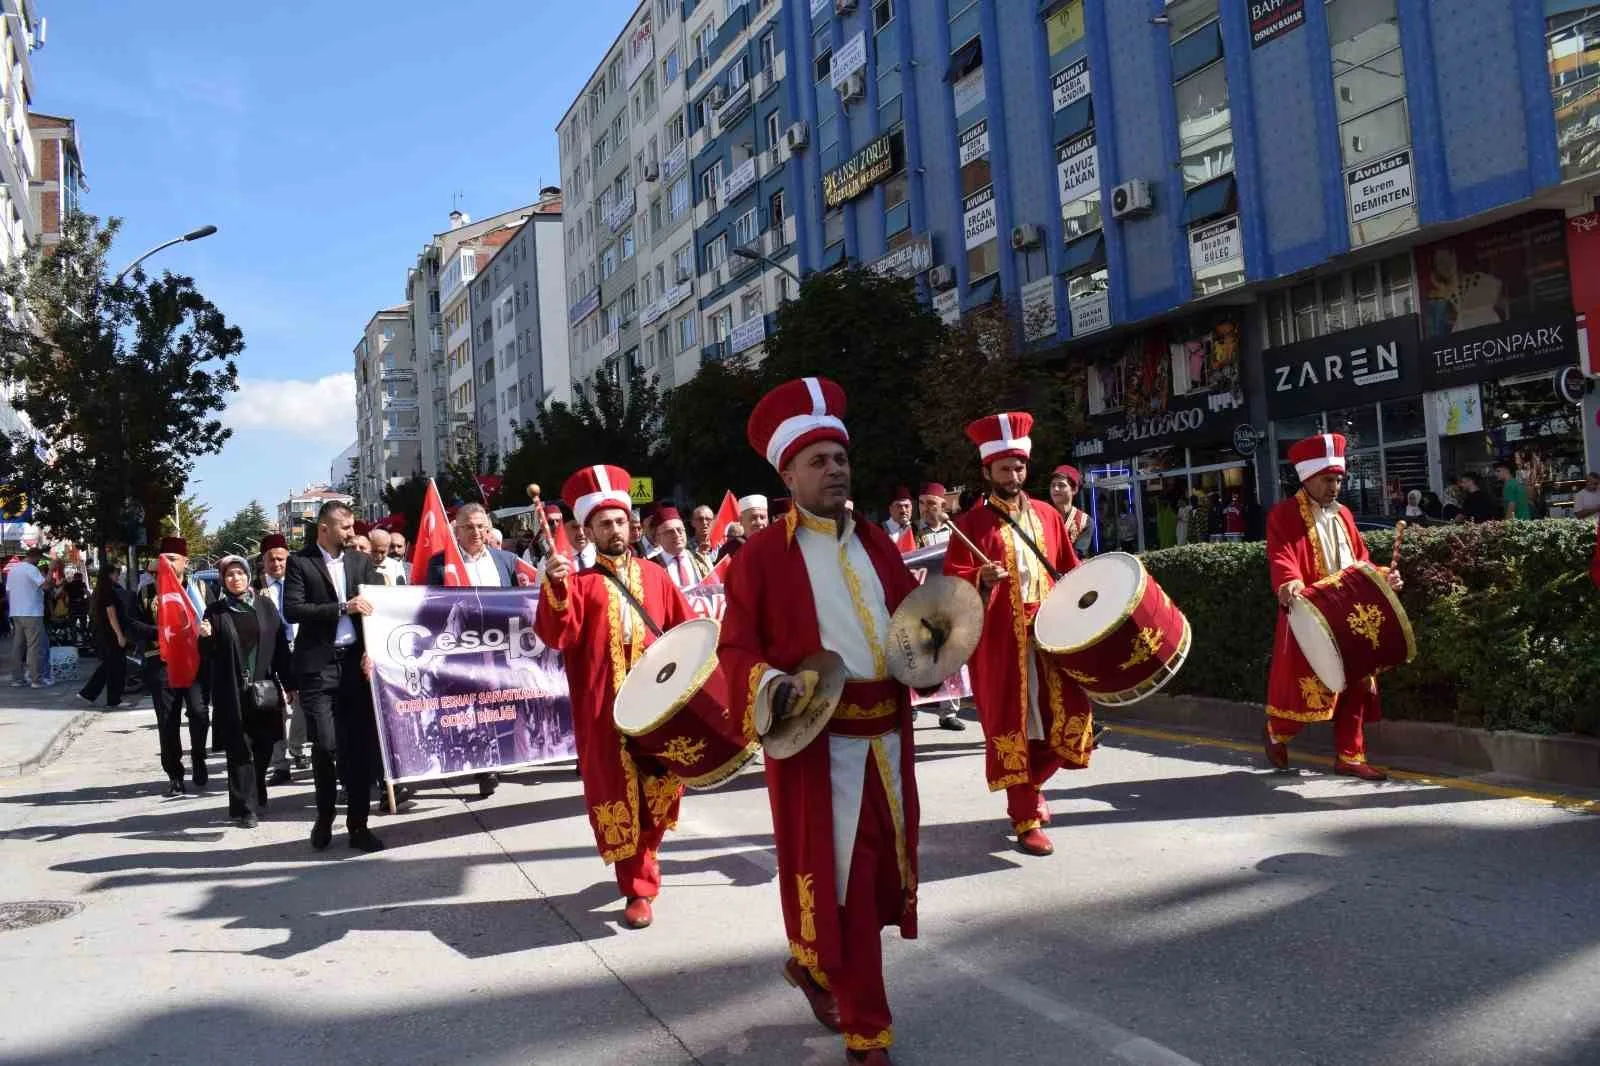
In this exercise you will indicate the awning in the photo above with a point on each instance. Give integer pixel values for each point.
(1211, 200)
(1085, 254)
(968, 57)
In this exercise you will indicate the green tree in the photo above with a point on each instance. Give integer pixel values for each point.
(870, 334)
(705, 433)
(406, 499)
(189, 522)
(123, 382)
(243, 530)
(615, 426)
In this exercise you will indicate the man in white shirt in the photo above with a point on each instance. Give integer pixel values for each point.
(25, 592)
(899, 523)
(391, 570)
(686, 565)
(291, 750)
(1586, 504)
(935, 525)
(704, 518)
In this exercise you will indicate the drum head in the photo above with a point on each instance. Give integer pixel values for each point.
(666, 676)
(1317, 644)
(1089, 602)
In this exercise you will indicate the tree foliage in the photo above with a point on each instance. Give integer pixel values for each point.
(705, 433)
(243, 530)
(190, 515)
(614, 425)
(122, 382)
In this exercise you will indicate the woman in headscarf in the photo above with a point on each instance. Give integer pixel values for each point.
(245, 642)
(1414, 505)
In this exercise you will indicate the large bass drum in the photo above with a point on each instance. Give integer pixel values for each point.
(1350, 626)
(1113, 629)
(673, 708)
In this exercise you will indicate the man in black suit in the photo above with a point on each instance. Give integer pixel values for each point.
(321, 595)
(486, 567)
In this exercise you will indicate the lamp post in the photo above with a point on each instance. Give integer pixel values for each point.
(752, 254)
(192, 235)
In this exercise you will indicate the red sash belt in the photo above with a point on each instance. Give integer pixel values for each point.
(867, 709)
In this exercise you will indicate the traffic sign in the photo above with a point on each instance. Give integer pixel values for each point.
(643, 490)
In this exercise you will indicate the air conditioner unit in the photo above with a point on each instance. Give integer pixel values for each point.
(844, 7)
(716, 96)
(1026, 236)
(1131, 199)
(652, 171)
(797, 136)
(853, 88)
(942, 277)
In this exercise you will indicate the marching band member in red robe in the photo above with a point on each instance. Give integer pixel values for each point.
(601, 635)
(1309, 536)
(1035, 718)
(844, 809)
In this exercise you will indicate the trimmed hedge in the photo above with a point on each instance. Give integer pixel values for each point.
(1506, 617)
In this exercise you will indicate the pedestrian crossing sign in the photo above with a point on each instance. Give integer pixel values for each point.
(643, 490)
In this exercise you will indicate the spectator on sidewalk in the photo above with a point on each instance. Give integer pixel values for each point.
(1586, 504)
(1475, 503)
(108, 625)
(1513, 493)
(25, 589)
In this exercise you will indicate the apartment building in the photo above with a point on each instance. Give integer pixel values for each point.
(463, 337)
(302, 507)
(428, 331)
(60, 183)
(518, 301)
(387, 412)
(21, 31)
(744, 128)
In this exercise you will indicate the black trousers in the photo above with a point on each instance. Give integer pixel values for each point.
(248, 760)
(344, 737)
(171, 705)
(111, 675)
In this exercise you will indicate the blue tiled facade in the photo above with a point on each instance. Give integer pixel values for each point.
(1471, 121)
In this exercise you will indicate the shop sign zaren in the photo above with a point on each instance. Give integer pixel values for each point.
(860, 172)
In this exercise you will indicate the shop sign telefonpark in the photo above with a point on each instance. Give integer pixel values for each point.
(860, 172)
(1541, 342)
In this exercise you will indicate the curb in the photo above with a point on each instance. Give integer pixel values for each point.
(54, 747)
(1567, 759)
(1562, 760)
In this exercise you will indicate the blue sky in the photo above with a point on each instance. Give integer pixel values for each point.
(326, 142)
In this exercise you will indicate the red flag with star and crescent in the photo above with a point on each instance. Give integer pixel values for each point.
(727, 515)
(434, 535)
(178, 627)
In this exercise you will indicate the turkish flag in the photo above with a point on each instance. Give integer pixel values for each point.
(906, 541)
(488, 486)
(727, 515)
(434, 535)
(527, 573)
(178, 626)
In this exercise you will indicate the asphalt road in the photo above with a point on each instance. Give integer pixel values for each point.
(1198, 910)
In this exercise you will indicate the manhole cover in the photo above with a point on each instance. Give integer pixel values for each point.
(30, 912)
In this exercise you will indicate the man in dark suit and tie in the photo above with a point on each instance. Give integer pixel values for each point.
(321, 595)
(486, 567)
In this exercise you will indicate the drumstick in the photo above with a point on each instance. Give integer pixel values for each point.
(1399, 532)
(971, 547)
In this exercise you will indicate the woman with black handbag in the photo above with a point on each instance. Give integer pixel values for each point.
(243, 638)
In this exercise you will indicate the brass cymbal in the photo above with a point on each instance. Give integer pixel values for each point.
(934, 632)
(789, 736)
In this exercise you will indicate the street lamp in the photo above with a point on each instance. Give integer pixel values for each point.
(752, 254)
(192, 235)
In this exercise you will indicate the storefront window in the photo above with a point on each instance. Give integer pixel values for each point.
(1403, 420)
(1358, 424)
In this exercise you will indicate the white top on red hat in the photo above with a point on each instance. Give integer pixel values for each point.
(753, 500)
(594, 488)
(795, 415)
(1316, 455)
(1002, 436)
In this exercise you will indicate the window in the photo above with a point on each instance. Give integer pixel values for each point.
(752, 305)
(627, 244)
(775, 211)
(678, 198)
(719, 324)
(1360, 297)
(650, 91)
(711, 182)
(1081, 217)
(686, 332)
(703, 42)
(1571, 41)
(738, 74)
(674, 131)
(882, 14)
(683, 262)
(629, 302)
(833, 226)
(774, 130)
(769, 54)
(824, 65)
(1205, 130)
(669, 66)
(608, 262)
(716, 253)
(1369, 97)
(746, 229)
(976, 174)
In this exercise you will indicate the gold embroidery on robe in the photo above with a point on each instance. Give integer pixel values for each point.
(804, 890)
(1012, 750)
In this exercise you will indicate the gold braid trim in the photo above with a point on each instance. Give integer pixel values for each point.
(749, 725)
(1299, 716)
(807, 957)
(884, 1039)
(1319, 561)
(897, 814)
(852, 580)
(558, 602)
(856, 713)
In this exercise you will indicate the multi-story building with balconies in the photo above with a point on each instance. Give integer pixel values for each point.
(59, 184)
(387, 416)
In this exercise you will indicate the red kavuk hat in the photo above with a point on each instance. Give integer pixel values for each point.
(1002, 436)
(793, 416)
(594, 488)
(1068, 471)
(174, 546)
(1316, 455)
(933, 490)
(274, 540)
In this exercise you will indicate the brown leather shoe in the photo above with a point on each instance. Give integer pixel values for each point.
(821, 1000)
(1034, 842)
(1277, 751)
(1362, 769)
(876, 1057)
(637, 915)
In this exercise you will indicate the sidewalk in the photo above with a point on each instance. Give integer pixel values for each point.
(36, 723)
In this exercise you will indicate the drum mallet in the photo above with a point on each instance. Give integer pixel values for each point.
(1399, 532)
(971, 547)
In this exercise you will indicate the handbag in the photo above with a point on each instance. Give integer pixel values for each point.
(255, 697)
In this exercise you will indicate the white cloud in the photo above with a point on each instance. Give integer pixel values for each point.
(323, 410)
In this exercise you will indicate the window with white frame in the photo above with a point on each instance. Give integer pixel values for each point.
(678, 198)
(746, 229)
(716, 253)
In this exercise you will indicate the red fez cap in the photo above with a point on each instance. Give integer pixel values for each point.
(794, 415)
(274, 540)
(1069, 471)
(933, 489)
(667, 513)
(901, 493)
(174, 546)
